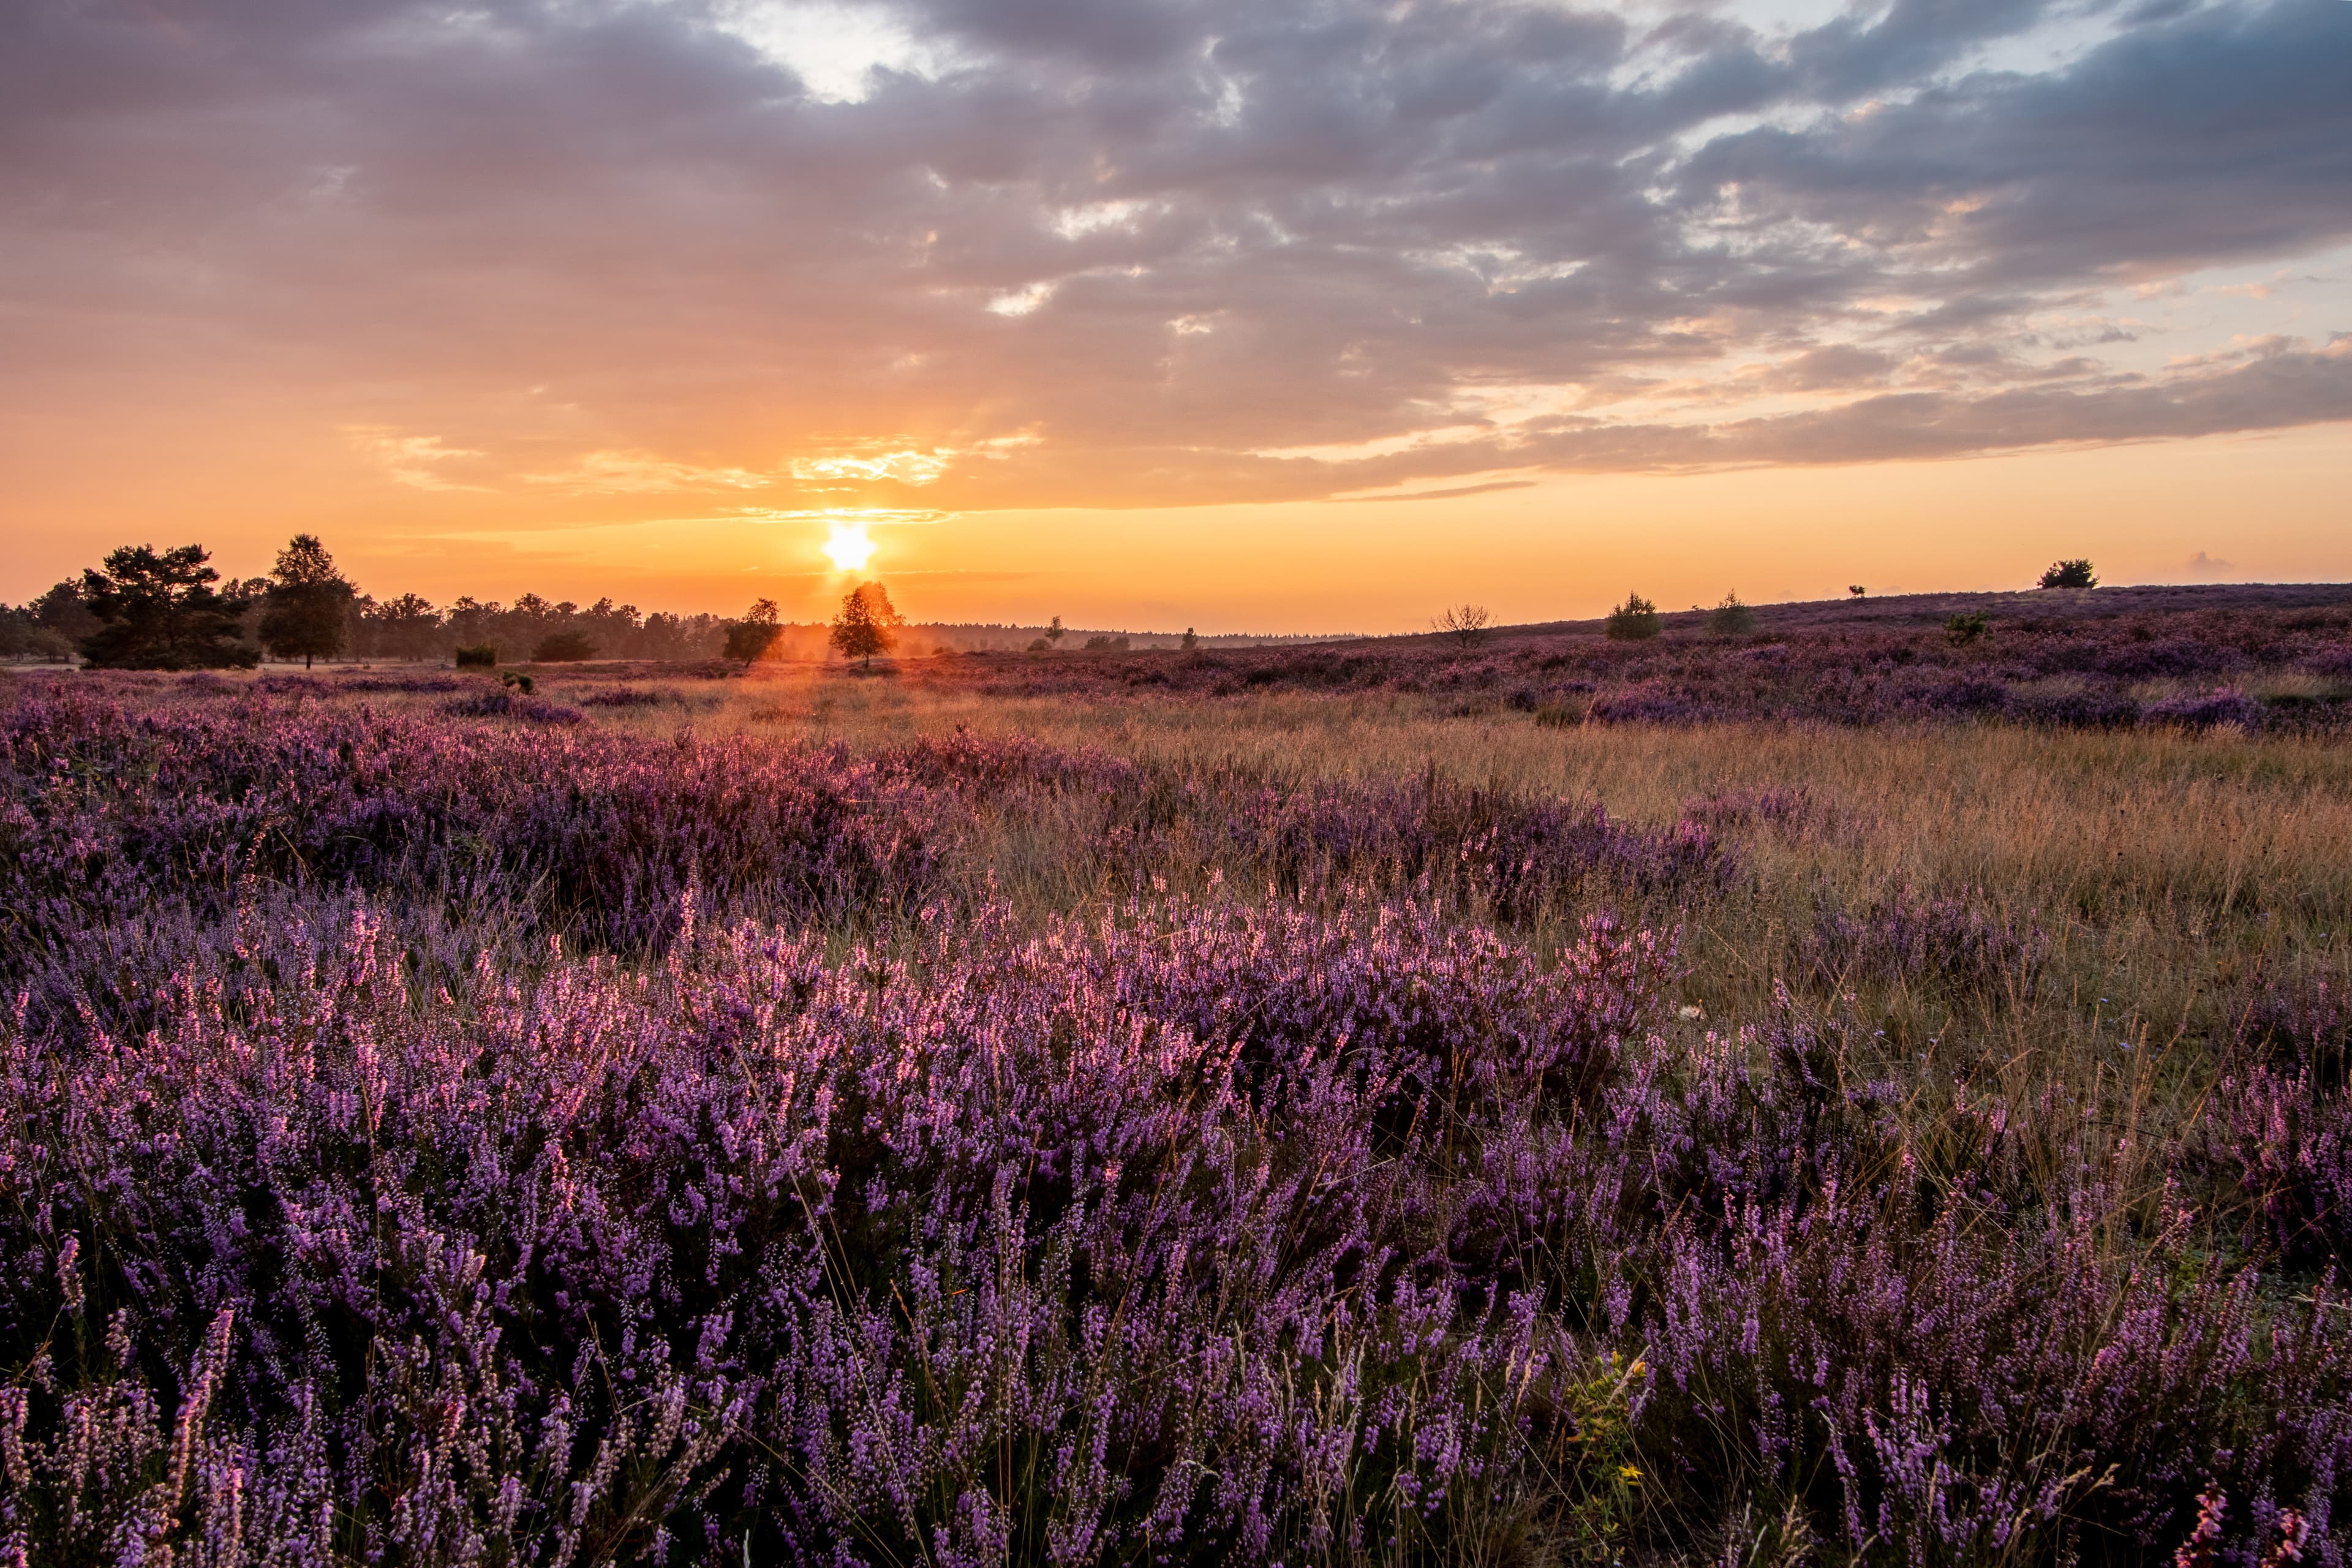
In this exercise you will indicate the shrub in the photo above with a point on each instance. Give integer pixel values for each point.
(1732, 618)
(481, 655)
(513, 680)
(1634, 620)
(563, 647)
(623, 696)
(1104, 643)
(2205, 710)
(2076, 573)
(1039, 644)
(1962, 630)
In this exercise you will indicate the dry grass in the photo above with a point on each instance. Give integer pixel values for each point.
(2173, 876)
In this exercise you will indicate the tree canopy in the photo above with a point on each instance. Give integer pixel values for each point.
(306, 609)
(754, 637)
(867, 624)
(158, 610)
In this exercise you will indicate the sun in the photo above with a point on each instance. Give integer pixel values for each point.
(848, 547)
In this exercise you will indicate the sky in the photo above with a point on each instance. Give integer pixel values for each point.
(1242, 314)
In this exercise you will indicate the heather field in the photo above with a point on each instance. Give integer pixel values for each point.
(1850, 1091)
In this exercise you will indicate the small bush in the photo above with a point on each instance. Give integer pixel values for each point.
(563, 647)
(2076, 573)
(482, 655)
(1732, 618)
(1634, 620)
(1103, 644)
(2204, 711)
(513, 682)
(1039, 644)
(1962, 630)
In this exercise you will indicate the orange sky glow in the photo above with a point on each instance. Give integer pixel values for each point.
(1155, 315)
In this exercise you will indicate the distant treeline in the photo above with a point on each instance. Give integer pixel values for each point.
(56, 625)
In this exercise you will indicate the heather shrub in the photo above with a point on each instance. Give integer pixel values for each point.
(513, 704)
(2077, 709)
(861, 1234)
(1915, 940)
(623, 696)
(2287, 1142)
(2205, 710)
(1646, 705)
(2300, 1027)
(433, 1140)
(113, 814)
(365, 684)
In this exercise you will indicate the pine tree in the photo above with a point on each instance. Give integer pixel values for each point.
(159, 611)
(306, 610)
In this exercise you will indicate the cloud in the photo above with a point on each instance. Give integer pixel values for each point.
(629, 473)
(413, 460)
(1157, 249)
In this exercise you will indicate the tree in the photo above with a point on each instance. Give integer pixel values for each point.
(754, 637)
(869, 624)
(158, 610)
(563, 647)
(305, 609)
(1634, 620)
(1732, 618)
(2076, 573)
(1192, 640)
(1465, 623)
(405, 627)
(1055, 631)
(1856, 589)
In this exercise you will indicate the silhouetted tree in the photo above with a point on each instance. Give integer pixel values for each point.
(1055, 631)
(306, 609)
(2076, 573)
(1465, 623)
(1634, 620)
(158, 610)
(1855, 589)
(563, 647)
(405, 627)
(1192, 640)
(869, 624)
(755, 635)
